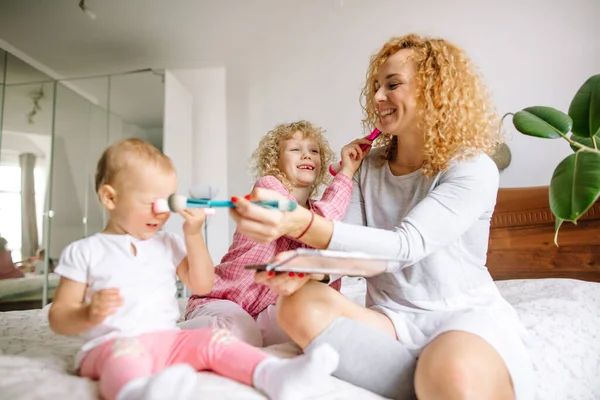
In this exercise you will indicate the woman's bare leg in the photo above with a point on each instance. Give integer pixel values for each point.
(461, 365)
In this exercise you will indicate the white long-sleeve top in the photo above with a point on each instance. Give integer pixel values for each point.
(437, 228)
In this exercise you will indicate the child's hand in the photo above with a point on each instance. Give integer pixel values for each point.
(352, 156)
(194, 218)
(104, 303)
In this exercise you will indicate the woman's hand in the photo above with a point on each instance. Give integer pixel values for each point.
(284, 283)
(264, 225)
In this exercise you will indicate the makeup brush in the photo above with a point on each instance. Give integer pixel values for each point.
(177, 202)
(334, 169)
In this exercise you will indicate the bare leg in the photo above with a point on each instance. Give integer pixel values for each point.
(461, 365)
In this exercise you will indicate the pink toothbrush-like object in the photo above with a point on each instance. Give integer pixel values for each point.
(334, 169)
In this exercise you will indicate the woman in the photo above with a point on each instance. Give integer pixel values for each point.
(425, 197)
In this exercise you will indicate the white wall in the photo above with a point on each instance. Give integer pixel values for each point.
(177, 141)
(200, 154)
(17, 104)
(155, 136)
(80, 137)
(311, 64)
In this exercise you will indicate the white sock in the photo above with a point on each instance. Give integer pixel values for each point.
(133, 390)
(175, 382)
(298, 377)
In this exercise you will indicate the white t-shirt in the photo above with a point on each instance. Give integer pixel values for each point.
(436, 227)
(146, 281)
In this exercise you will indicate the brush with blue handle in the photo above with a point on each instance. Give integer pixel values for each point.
(177, 202)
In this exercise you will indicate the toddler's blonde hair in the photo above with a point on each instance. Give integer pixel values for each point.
(122, 155)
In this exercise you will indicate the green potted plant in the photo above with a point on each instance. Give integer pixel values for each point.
(575, 183)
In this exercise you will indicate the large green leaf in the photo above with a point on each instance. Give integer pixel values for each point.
(575, 185)
(586, 141)
(542, 122)
(585, 108)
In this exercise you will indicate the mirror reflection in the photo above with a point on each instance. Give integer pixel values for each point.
(53, 133)
(25, 162)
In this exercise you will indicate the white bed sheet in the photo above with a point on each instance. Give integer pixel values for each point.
(28, 285)
(561, 315)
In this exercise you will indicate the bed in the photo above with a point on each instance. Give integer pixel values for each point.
(25, 293)
(554, 290)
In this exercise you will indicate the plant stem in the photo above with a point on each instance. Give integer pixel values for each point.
(581, 146)
(594, 141)
(504, 116)
(502, 122)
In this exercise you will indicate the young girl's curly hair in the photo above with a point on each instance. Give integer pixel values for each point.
(265, 159)
(454, 109)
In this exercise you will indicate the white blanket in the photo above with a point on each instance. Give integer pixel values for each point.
(562, 316)
(30, 285)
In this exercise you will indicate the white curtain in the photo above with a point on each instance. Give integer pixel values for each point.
(29, 230)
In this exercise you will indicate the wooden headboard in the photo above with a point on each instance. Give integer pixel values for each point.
(522, 239)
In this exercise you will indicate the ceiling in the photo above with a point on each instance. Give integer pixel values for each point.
(138, 98)
(18, 71)
(61, 40)
(137, 34)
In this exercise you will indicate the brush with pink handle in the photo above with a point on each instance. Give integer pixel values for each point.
(334, 169)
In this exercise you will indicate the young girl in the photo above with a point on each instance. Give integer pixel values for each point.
(118, 288)
(292, 159)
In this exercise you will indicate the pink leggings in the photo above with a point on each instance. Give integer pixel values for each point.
(119, 361)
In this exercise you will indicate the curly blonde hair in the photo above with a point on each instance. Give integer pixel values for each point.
(265, 159)
(454, 108)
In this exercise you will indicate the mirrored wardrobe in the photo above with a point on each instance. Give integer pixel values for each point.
(52, 133)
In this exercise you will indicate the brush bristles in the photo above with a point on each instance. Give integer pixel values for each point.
(177, 202)
(287, 205)
(161, 206)
(335, 169)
